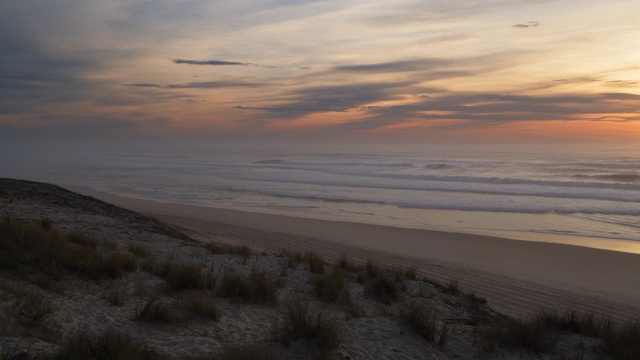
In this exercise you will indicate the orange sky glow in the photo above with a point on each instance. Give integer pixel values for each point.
(496, 71)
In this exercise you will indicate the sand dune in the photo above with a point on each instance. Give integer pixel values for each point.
(83, 271)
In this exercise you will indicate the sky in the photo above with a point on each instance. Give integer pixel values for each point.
(320, 71)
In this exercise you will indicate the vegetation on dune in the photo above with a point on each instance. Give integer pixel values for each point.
(329, 287)
(139, 250)
(383, 288)
(300, 322)
(193, 292)
(540, 333)
(256, 287)
(420, 319)
(222, 249)
(110, 345)
(180, 276)
(314, 262)
(201, 306)
(44, 249)
(248, 352)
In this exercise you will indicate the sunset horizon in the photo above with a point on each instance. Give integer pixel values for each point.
(412, 71)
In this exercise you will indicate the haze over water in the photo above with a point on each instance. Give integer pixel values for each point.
(584, 191)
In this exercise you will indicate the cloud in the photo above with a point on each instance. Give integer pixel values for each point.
(198, 85)
(395, 66)
(149, 85)
(211, 62)
(527, 25)
(333, 98)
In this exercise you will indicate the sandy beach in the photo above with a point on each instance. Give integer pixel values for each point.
(516, 277)
(80, 277)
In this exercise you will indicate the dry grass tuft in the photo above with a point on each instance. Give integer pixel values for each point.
(115, 295)
(201, 306)
(257, 287)
(139, 251)
(329, 287)
(49, 251)
(156, 310)
(299, 322)
(420, 319)
(382, 288)
(248, 352)
(110, 345)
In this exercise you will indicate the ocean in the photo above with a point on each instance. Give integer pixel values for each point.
(531, 192)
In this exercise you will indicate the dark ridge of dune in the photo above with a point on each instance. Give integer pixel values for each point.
(57, 196)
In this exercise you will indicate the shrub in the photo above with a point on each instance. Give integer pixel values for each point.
(256, 288)
(180, 277)
(109, 245)
(184, 277)
(234, 285)
(32, 306)
(314, 262)
(116, 264)
(265, 289)
(83, 240)
(372, 269)
(621, 341)
(531, 334)
(156, 310)
(382, 288)
(248, 352)
(242, 250)
(139, 251)
(203, 307)
(420, 319)
(115, 295)
(110, 345)
(329, 287)
(411, 273)
(215, 248)
(345, 264)
(299, 322)
(33, 247)
(452, 288)
(45, 224)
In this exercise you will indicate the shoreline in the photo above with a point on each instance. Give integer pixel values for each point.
(517, 277)
(602, 243)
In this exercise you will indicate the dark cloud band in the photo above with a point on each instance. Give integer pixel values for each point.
(527, 24)
(210, 62)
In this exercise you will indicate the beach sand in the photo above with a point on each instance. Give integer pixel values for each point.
(83, 267)
(516, 277)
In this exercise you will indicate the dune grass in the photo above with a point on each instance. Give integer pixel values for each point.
(221, 249)
(109, 345)
(201, 306)
(33, 307)
(256, 288)
(179, 276)
(383, 288)
(139, 250)
(300, 322)
(420, 319)
(329, 287)
(247, 352)
(46, 250)
(539, 333)
(452, 288)
(115, 295)
(314, 262)
(156, 310)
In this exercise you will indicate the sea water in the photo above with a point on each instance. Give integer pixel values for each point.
(583, 191)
